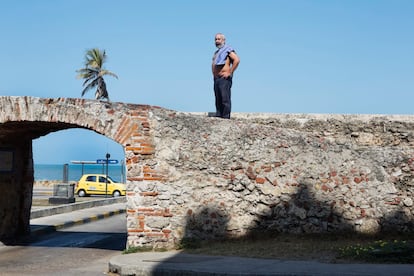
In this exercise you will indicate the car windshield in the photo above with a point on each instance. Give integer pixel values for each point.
(110, 178)
(102, 179)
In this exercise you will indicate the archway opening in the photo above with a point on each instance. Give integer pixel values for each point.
(70, 154)
(82, 150)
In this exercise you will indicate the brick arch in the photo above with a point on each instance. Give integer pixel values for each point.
(114, 120)
(26, 118)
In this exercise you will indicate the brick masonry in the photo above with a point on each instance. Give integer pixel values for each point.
(194, 176)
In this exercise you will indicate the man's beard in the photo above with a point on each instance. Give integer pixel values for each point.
(220, 45)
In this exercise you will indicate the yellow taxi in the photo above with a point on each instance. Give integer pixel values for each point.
(98, 184)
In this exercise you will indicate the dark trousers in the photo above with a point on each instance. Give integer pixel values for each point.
(222, 91)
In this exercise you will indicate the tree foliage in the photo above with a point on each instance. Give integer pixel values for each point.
(93, 73)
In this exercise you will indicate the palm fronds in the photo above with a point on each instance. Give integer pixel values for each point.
(93, 73)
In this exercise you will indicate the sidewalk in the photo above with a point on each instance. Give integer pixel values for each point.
(180, 263)
(48, 220)
(176, 263)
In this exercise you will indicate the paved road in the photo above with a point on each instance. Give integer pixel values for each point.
(88, 251)
(42, 192)
(78, 250)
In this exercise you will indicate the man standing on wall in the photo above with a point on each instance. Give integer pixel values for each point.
(225, 62)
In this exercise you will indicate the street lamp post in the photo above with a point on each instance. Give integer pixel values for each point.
(106, 184)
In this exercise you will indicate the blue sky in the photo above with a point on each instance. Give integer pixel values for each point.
(297, 56)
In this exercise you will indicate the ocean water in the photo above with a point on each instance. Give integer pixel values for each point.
(56, 171)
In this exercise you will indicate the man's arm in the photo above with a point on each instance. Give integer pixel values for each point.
(235, 62)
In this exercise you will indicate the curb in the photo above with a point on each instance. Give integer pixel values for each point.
(74, 207)
(184, 264)
(88, 219)
(46, 229)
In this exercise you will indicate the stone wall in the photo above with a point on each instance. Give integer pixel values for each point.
(292, 173)
(190, 175)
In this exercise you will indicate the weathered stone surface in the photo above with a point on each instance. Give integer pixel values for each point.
(190, 175)
(408, 202)
(292, 173)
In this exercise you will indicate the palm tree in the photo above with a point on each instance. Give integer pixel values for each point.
(93, 73)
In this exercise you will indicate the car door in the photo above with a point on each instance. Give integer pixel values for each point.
(91, 184)
(102, 185)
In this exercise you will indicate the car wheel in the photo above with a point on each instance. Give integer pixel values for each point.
(81, 193)
(116, 194)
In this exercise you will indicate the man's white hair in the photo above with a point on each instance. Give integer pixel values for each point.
(222, 36)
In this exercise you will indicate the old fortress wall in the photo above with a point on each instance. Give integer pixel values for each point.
(294, 173)
(194, 176)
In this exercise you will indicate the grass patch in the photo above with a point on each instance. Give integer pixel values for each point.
(135, 249)
(381, 251)
(189, 244)
(330, 248)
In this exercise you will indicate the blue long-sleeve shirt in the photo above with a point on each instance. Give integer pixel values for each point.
(221, 54)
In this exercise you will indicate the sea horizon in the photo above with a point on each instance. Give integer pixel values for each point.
(55, 172)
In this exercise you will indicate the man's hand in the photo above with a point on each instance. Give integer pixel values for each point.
(225, 74)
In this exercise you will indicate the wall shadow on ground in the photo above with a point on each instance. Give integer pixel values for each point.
(303, 214)
(77, 239)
